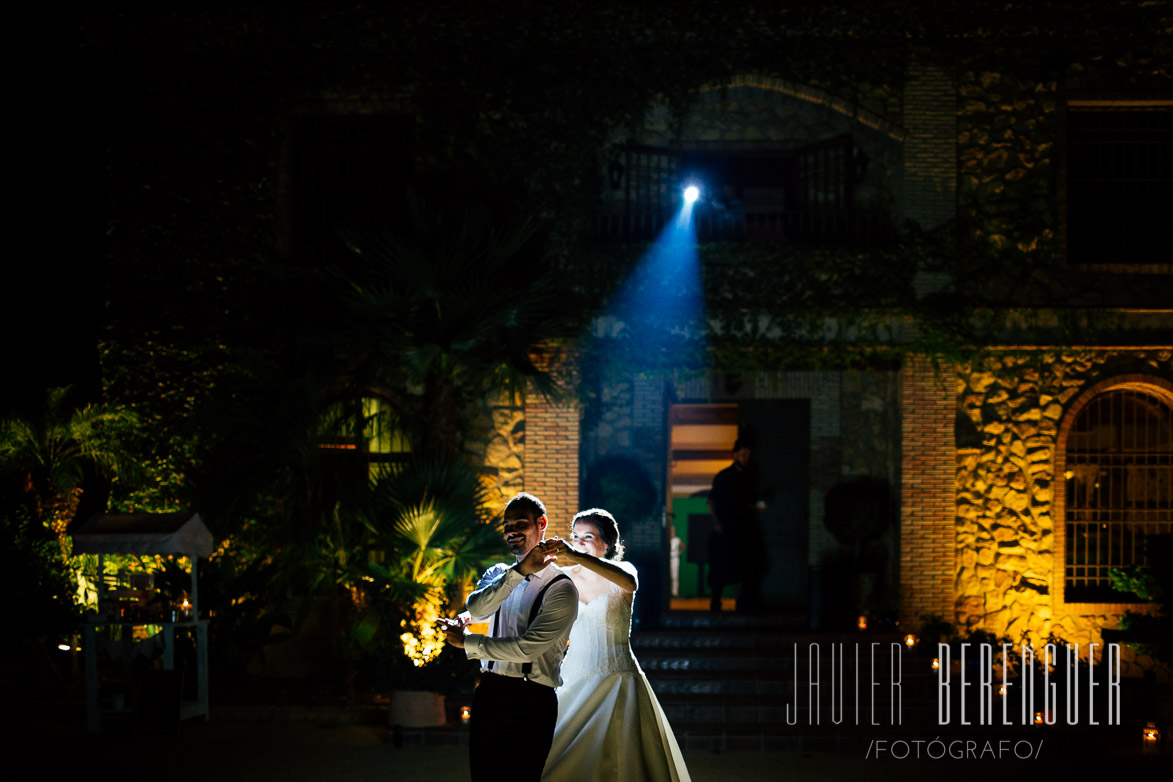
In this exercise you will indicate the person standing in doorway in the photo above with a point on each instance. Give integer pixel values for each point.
(737, 547)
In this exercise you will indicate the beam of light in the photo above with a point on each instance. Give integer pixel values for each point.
(660, 307)
(691, 194)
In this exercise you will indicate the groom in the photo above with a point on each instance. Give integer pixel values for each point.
(532, 607)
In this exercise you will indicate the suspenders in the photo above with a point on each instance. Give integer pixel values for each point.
(528, 666)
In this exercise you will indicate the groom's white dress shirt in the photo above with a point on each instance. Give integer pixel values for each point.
(512, 641)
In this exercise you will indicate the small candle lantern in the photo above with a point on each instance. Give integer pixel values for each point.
(465, 715)
(1150, 739)
(862, 623)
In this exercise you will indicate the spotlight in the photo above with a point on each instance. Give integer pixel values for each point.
(691, 194)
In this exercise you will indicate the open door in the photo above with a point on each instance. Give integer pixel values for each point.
(700, 437)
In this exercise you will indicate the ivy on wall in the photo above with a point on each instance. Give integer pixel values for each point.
(516, 104)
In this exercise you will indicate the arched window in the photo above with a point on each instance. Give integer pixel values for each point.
(1119, 488)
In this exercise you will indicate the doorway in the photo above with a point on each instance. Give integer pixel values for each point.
(700, 440)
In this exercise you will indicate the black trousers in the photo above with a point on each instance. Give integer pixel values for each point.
(511, 727)
(721, 570)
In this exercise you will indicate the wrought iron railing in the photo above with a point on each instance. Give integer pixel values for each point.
(832, 225)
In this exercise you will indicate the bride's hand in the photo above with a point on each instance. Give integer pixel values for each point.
(563, 553)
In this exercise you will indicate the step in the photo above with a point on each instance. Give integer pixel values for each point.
(666, 662)
(694, 663)
(784, 642)
(792, 620)
(685, 714)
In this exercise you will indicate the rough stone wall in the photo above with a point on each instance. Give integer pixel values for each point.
(650, 449)
(630, 423)
(531, 446)
(496, 443)
(612, 434)
(1006, 130)
(869, 424)
(1009, 567)
(870, 441)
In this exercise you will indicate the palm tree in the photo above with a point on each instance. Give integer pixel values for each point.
(452, 311)
(49, 455)
(428, 523)
(440, 527)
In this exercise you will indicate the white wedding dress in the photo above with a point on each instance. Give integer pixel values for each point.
(610, 725)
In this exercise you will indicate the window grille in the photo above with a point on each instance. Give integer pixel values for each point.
(644, 182)
(1119, 484)
(1119, 184)
(777, 191)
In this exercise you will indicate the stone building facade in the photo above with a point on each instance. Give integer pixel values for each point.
(991, 553)
(975, 447)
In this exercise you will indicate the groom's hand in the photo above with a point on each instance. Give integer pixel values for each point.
(537, 558)
(454, 631)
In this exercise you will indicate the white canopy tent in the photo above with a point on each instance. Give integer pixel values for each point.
(144, 533)
(168, 534)
(182, 533)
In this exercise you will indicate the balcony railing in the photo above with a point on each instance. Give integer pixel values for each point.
(826, 225)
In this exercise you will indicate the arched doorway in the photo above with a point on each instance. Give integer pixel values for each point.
(1117, 452)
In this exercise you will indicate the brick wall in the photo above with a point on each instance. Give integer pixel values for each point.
(551, 458)
(552, 434)
(928, 503)
(930, 148)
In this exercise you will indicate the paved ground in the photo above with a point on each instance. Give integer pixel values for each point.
(228, 750)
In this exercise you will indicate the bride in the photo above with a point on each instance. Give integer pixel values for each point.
(610, 725)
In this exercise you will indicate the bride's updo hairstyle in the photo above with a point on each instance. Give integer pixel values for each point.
(608, 528)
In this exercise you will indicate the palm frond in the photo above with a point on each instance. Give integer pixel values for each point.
(418, 525)
(451, 486)
(457, 296)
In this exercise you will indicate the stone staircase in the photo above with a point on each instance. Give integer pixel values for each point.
(726, 682)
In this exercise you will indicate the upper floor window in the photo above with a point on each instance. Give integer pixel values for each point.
(1119, 170)
(757, 191)
(1119, 488)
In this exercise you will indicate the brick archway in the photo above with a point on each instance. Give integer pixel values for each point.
(813, 95)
